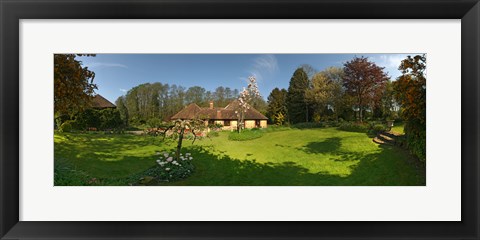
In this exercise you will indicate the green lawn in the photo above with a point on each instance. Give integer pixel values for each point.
(308, 157)
(398, 127)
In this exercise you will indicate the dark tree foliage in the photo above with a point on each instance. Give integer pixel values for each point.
(122, 109)
(365, 82)
(101, 119)
(73, 85)
(297, 103)
(277, 109)
(410, 91)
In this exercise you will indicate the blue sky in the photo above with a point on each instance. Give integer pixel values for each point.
(115, 74)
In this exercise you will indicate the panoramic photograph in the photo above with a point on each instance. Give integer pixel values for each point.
(354, 119)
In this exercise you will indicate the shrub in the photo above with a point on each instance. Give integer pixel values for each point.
(110, 118)
(354, 127)
(67, 126)
(245, 135)
(416, 139)
(331, 124)
(308, 125)
(275, 128)
(215, 127)
(170, 169)
(88, 119)
(154, 122)
(379, 128)
(61, 119)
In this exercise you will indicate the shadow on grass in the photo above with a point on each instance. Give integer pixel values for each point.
(330, 145)
(104, 156)
(384, 167)
(376, 169)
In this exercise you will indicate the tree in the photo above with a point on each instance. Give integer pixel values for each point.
(246, 96)
(123, 110)
(365, 81)
(309, 70)
(73, 85)
(277, 106)
(196, 95)
(219, 96)
(388, 106)
(297, 101)
(327, 92)
(259, 104)
(410, 91)
(178, 129)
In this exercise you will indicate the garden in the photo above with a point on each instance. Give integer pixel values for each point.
(281, 156)
(329, 128)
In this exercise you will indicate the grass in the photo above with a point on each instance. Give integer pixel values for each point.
(245, 135)
(306, 157)
(398, 128)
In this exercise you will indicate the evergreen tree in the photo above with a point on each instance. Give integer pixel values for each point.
(297, 103)
(277, 105)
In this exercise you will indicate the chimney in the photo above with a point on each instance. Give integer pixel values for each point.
(219, 114)
(211, 104)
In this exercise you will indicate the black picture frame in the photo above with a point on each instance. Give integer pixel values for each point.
(12, 11)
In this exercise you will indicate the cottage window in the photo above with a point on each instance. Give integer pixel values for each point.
(226, 123)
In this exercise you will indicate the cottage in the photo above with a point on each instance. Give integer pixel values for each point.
(99, 102)
(223, 116)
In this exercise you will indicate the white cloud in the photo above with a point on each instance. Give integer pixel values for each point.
(123, 90)
(263, 66)
(390, 62)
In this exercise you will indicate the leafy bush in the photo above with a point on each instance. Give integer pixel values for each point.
(60, 119)
(379, 128)
(416, 139)
(154, 122)
(170, 169)
(215, 127)
(110, 118)
(354, 127)
(275, 128)
(331, 124)
(245, 135)
(308, 125)
(88, 119)
(67, 126)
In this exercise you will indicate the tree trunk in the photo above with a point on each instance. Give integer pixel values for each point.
(179, 145)
(361, 114)
(306, 112)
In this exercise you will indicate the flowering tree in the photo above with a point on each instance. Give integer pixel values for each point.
(245, 97)
(179, 129)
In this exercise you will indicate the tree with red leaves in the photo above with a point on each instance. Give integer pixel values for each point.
(364, 81)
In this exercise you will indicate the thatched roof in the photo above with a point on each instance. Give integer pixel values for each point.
(228, 113)
(100, 102)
